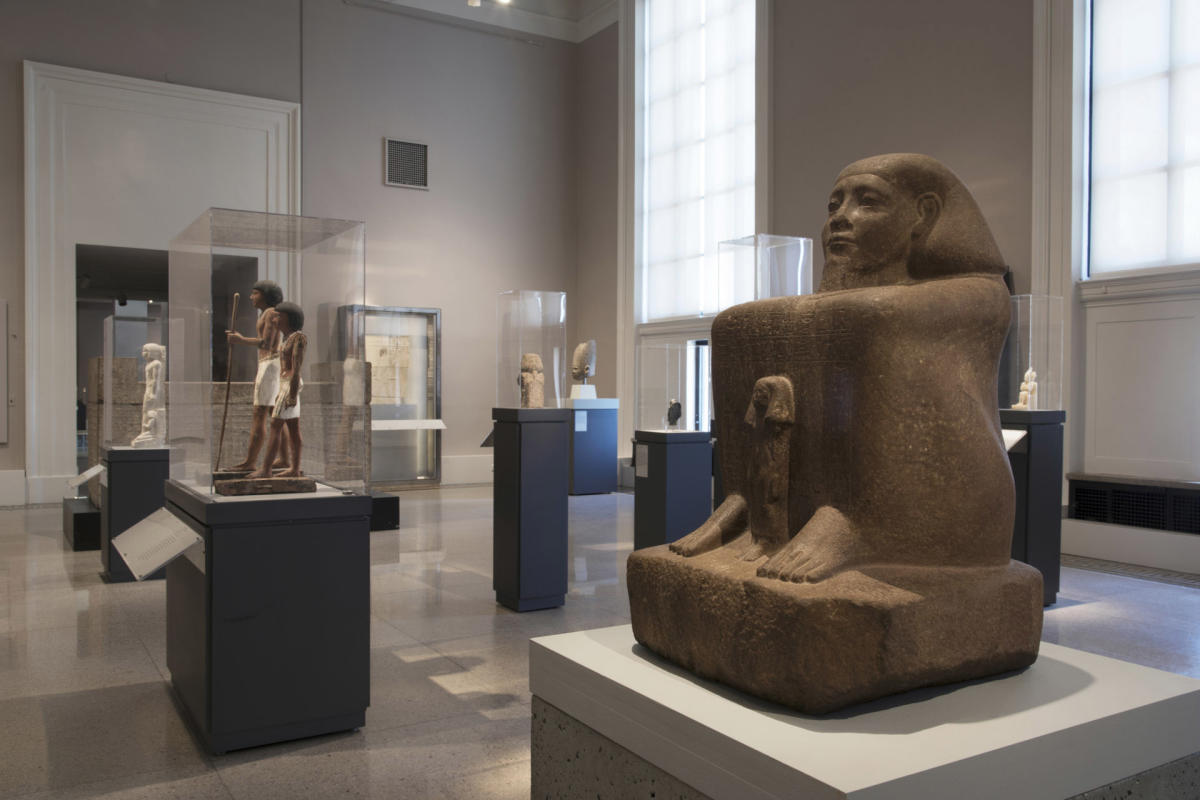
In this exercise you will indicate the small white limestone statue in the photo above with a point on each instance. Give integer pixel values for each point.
(532, 381)
(583, 366)
(154, 402)
(1027, 400)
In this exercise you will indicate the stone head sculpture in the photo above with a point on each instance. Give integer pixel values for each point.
(583, 361)
(153, 352)
(869, 498)
(902, 218)
(532, 381)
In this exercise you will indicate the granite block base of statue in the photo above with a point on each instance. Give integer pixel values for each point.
(817, 647)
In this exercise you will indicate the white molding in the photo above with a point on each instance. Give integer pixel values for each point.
(1058, 202)
(459, 470)
(694, 327)
(50, 93)
(1140, 287)
(493, 15)
(12, 487)
(598, 20)
(763, 129)
(1146, 547)
(628, 127)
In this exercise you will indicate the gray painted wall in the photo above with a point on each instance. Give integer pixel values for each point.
(595, 303)
(228, 45)
(949, 78)
(498, 116)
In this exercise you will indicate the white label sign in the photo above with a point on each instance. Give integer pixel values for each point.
(154, 542)
(643, 461)
(85, 476)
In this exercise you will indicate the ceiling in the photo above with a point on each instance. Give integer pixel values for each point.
(569, 20)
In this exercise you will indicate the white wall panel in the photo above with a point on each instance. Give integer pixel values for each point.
(1143, 389)
(126, 162)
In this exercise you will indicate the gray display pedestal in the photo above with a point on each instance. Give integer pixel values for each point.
(594, 446)
(672, 494)
(1037, 461)
(269, 625)
(529, 508)
(611, 720)
(131, 489)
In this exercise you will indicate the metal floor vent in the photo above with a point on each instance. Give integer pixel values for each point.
(405, 164)
(1165, 508)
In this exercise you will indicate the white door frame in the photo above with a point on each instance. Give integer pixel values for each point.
(50, 92)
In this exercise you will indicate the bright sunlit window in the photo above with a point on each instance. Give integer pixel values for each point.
(698, 162)
(1145, 140)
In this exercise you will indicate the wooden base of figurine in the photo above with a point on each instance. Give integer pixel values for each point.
(275, 485)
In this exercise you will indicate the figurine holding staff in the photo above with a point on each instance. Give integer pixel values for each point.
(286, 412)
(265, 296)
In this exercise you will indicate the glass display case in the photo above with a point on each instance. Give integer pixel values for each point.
(133, 392)
(761, 266)
(402, 348)
(532, 361)
(674, 386)
(1031, 366)
(320, 266)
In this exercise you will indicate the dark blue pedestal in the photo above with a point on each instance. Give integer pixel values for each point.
(385, 511)
(672, 485)
(131, 489)
(529, 509)
(594, 446)
(81, 524)
(269, 626)
(1037, 472)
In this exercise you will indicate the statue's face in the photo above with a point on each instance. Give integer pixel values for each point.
(258, 299)
(869, 226)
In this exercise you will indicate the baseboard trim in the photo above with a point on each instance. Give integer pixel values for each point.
(466, 469)
(12, 487)
(1147, 547)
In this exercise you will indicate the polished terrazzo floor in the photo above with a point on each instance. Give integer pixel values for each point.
(85, 710)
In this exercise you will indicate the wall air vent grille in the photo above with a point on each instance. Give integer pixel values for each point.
(405, 164)
(1173, 507)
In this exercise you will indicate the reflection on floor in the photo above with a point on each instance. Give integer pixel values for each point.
(85, 710)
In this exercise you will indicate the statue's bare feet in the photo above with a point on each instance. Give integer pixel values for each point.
(756, 550)
(245, 466)
(825, 546)
(260, 473)
(727, 522)
(288, 473)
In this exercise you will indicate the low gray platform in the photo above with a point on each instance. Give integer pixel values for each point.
(1072, 723)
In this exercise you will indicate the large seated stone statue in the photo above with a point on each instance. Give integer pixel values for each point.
(863, 545)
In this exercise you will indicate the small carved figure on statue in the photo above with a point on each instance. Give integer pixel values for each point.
(1027, 401)
(266, 295)
(285, 415)
(154, 401)
(674, 412)
(532, 381)
(583, 366)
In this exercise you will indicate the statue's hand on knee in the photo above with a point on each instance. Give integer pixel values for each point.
(726, 523)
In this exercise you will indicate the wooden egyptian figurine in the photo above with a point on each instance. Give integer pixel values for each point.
(266, 295)
(285, 413)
